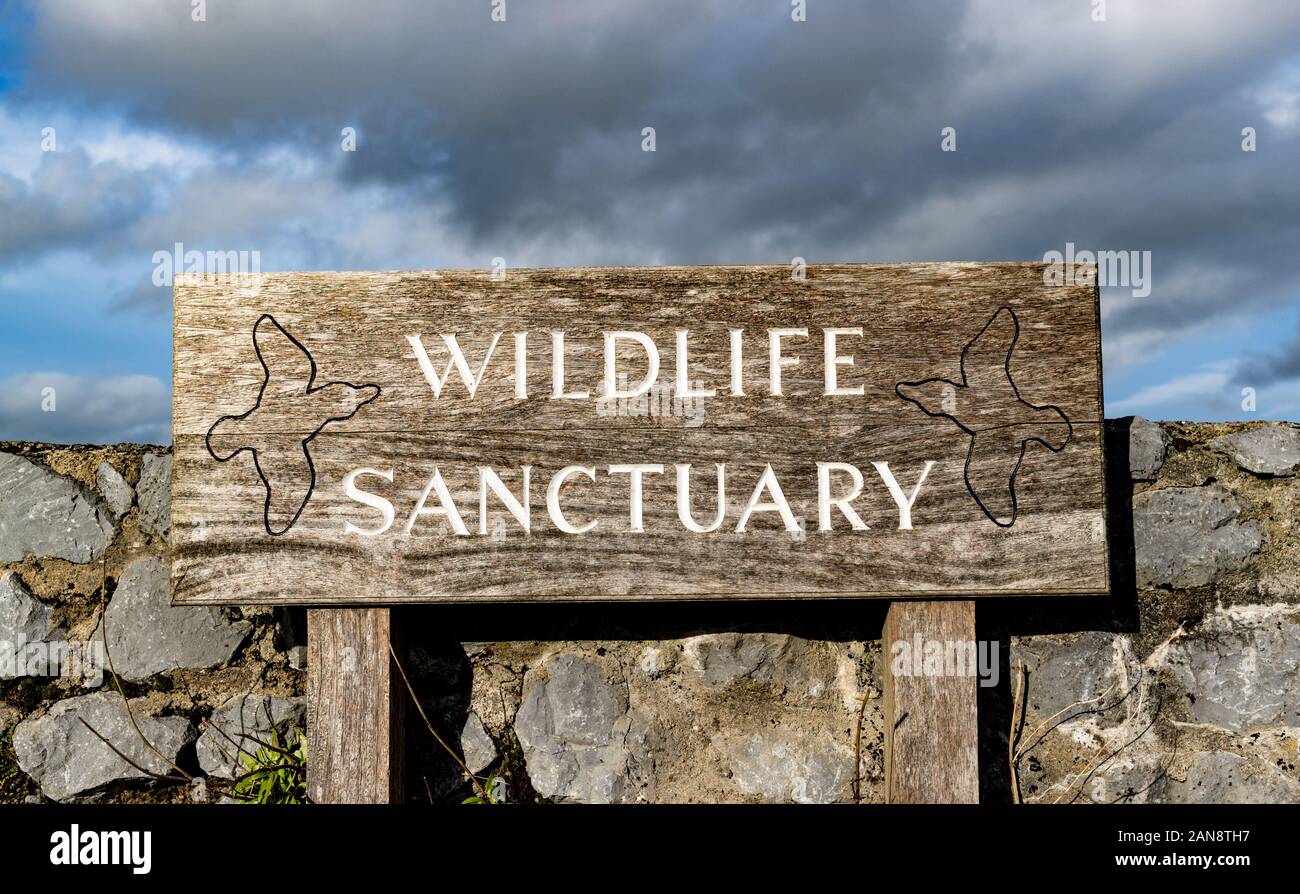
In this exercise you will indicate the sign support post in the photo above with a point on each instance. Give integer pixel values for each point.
(354, 708)
(931, 723)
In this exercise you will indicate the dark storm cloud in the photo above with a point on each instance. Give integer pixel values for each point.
(1263, 369)
(536, 122)
(70, 202)
(775, 139)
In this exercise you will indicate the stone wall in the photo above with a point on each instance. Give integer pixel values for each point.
(1185, 686)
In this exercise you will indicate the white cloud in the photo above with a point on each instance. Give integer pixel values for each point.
(1279, 100)
(138, 150)
(104, 139)
(1207, 385)
(1140, 46)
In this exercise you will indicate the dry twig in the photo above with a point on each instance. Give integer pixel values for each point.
(152, 775)
(473, 780)
(857, 752)
(1017, 725)
(130, 715)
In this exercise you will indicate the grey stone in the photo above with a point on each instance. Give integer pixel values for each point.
(244, 719)
(155, 494)
(1221, 777)
(1134, 776)
(117, 493)
(724, 659)
(573, 727)
(1267, 450)
(298, 657)
(477, 747)
(1147, 444)
(1242, 666)
(781, 766)
(66, 759)
(1187, 536)
(47, 515)
(148, 635)
(1094, 668)
(24, 620)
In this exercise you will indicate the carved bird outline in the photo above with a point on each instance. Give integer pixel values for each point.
(289, 392)
(987, 406)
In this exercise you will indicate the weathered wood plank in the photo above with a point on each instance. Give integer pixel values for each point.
(916, 320)
(355, 707)
(952, 548)
(931, 722)
(1021, 360)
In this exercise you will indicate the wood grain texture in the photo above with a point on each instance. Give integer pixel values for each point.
(918, 321)
(931, 722)
(355, 708)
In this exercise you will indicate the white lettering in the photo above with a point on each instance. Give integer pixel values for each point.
(557, 371)
(553, 498)
(368, 499)
(456, 361)
(774, 358)
(833, 361)
(825, 501)
(446, 507)
(778, 503)
(489, 480)
(684, 513)
(611, 391)
(904, 503)
(634, 503)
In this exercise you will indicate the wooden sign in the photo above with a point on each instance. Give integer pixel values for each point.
(690, 433)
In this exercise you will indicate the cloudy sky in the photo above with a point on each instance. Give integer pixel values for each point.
(523, 139)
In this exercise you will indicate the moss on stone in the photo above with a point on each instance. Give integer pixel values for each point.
(14, 784)
(512, 767)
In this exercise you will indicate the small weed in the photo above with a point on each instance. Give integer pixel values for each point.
(276, 774)
(494, 792)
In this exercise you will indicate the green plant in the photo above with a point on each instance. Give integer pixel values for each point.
(493, 792)
(277, 773)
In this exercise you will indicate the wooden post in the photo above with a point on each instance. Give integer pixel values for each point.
(354, 708)
(931, 723)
